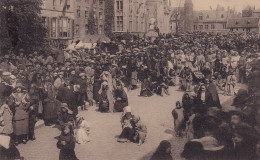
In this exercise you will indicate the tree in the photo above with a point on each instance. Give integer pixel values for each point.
(109, 18)
(21, 25)
(178, 19)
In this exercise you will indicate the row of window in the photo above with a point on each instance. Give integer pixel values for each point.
(244, 29)
(207, 17)
(212, 26)
(61, 27)
(100, 14)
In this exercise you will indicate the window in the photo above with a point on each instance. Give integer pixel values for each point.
(119, 23)
(77, 30)
(100, 29)
(222, 16)
(53, 27)
(63, 28)
(212, 26)
(68, 4)
(86, 13)
(119, 5)
(201, 17)
(207, 16)
(130, 26)
(248, 22)
(231, 29)
(69, 21)
(248, 29)
(224, 26)
(86, 28)
(195, 27)
(78, 11)
(100, 15)
(201, 27)
(54, 3)
(206, 26)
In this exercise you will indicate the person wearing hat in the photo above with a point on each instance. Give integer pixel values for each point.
(103, 100)
(120, 96)
(67, 95)
(49, 102)
(65, 115)
(59, 80)
(81, 94)
(19, 100)
(127, 133)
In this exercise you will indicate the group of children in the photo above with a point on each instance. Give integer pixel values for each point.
(71, 133)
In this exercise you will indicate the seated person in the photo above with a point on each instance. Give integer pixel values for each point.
(65, 115)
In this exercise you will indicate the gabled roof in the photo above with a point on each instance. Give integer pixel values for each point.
(244, 22)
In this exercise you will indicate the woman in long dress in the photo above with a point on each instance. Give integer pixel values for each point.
(21, 114)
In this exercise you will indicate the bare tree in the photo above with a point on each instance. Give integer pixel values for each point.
(177, 16)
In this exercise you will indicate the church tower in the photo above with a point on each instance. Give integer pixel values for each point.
(188, 15)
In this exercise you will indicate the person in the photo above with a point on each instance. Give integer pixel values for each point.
(103, 100)
(146, 87)
(163, 152)
(8, 150)
(140, 130)
(82, 130)
(33, 110)
(121, 99)
(21, 116)
(50, 109)
(65, 115)
(178, 116)
(66, 144)
(230, 84)
(127, 133)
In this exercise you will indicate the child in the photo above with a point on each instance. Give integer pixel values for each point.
(82, 130)
(66, 144)
(178, 117)
(140, 130)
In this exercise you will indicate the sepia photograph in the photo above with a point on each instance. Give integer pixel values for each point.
(129, 79)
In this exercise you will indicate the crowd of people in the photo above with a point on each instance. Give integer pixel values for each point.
(53, 86)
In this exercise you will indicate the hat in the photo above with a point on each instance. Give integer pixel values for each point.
(64, 105)
(60, 73)
(82, 74)
(209, 143)
(6, 73)
(127, 109)
(19, 85)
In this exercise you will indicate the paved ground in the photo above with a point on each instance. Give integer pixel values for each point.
(155, 112)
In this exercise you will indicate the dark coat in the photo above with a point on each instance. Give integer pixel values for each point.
(67, 96)
(120, 104)
(67, 151)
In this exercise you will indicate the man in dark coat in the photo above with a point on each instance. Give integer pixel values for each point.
(66, 95)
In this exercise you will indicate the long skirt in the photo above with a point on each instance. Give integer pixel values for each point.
(96, 88)
(21, 127)
(134, 78)
(50, 110)
(67, 154)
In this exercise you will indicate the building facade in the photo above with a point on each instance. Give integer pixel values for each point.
(129, 16)
(212, 20)
(158, 14)
(86, 10)
(58, 17)
(244, 24)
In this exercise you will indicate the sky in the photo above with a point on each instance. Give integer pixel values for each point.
(205, 4)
